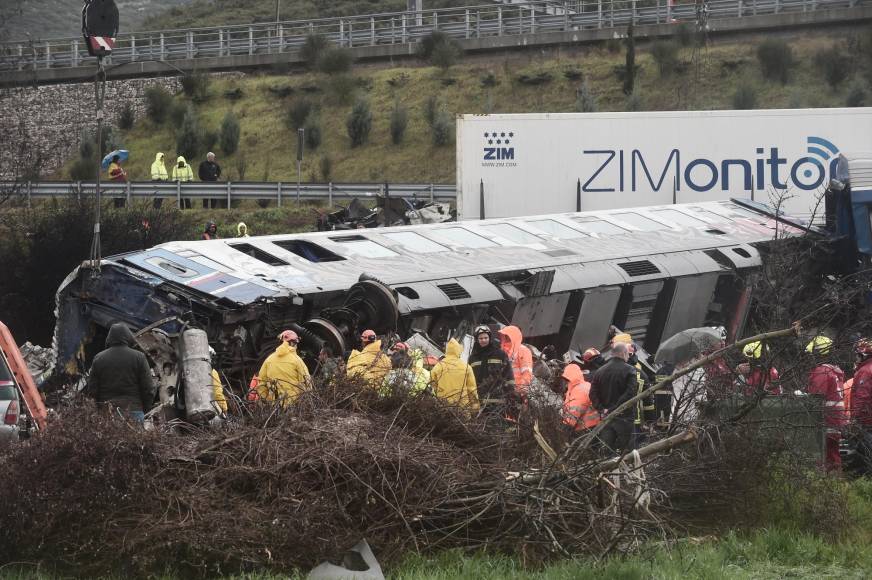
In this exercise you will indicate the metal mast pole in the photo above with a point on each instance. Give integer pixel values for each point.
(99, 93)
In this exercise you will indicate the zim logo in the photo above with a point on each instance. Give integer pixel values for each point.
(497, 146)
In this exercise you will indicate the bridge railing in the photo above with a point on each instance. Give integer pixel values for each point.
(490, 20)
(281, 192)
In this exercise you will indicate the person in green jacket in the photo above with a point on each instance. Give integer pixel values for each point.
(120, 376)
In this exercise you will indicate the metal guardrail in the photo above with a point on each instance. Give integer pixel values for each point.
(517, 18)
(226, 190)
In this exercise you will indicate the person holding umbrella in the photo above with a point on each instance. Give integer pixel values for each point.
(112, 163)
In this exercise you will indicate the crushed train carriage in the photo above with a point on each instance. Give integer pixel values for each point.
(563, 278)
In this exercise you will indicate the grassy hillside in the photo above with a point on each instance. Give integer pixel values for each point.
(703, 80)
(219, 12)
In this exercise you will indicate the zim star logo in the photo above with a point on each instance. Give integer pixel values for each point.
(497, 145)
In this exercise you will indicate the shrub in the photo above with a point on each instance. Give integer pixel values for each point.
(399, 122)
(745, 96)
(229, 134)
(776, 59)
(613, 45)
(585, 101)
(573, 74)
(857, 95)
(665, 53)
(313, 47)
(158, 102)
(335, 60)
(341, 88)
(188, 137)
(196, 86)
(88, 142)
(84, 169)
(684, 34)
(298, 112)
(439, 49)
(535, 79)
(489, 80)
(127, 117)
(326, 164)
(177, 113)
(443, 129)
(208, 139)
(87, 145)
(834, 65)
(634, 102)
(359, 123)
(312, 128)
(431, 107)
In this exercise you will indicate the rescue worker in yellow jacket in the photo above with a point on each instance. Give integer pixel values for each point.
(453, 380)
(217, 388)
(370, 364)
(158, 169)
(283, 376)
(182, 171)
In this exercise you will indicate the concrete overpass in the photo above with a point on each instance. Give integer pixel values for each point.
(384, 36)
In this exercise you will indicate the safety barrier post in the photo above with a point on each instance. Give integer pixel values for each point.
(435, 21)
(229, 197)
(330, 194)
(533, 19)
(133, 48)
(341, 33)
(431, 193)
(29, 193)
(739, 5)
(78, 190)
(599, 13)
(372, 31)
(565, 16)
(350, 33)
(279, 195)
(190, 45)
(47, 55)
(179, 194)
(162, 47)
(220, 42)
(499, 20)
(403, 33)
(633, 13)
(127, 195)
(250, 41)
(754, 7)
(467, 23)
(777, 6)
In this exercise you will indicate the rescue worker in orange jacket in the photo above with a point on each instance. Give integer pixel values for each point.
(578, 411)
(511, 341)
(861, 395)
(828, 380)
(370, 363)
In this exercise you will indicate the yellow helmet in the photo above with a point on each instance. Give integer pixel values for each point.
(753, 350)
(622, 338)
(819, 345)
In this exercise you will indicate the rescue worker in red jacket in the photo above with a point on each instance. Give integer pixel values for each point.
(578, 411)
(755, 375)
(828, 380)
(861, 396)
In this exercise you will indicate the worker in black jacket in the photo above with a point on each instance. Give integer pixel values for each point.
(494, 377)
(611, 386)
(120, 376)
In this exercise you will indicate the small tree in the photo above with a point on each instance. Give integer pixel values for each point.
(443, 129)
(630, 64)
(857, 94)
(776, 59)
(834, 64)
(431, 107)
(585, 102)
(229, 134)
(188, 137)
(158, 102)
(359, 123)
(326, 168)
(312, 130)
(127, 117)
(298, 112)
(634, 102)
(399, 122)
(196, 86)
(335, 60)
(312, 48)
(665, 53)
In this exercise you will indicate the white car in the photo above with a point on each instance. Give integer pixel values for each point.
(10, 409)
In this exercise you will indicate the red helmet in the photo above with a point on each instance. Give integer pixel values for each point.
(289, 336)
(401, 346)
(863, 347)
(590, 354)
(368, 336)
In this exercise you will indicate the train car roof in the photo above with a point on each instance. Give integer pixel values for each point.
(244, 270)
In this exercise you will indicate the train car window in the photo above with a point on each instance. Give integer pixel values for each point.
(710, 215)
(415, 242)
(364, 247)
(556, 229)
(596, 226)
(641, 222)
(308, 251)
(463, 237)
(511, 234)
(677, 217)
(258, 254)
(172, 267)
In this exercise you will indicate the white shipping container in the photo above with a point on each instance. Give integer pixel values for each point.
(533, 164)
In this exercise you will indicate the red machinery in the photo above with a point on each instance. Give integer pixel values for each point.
(29, 393)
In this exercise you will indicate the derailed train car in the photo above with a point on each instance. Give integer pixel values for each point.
(564, 279)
